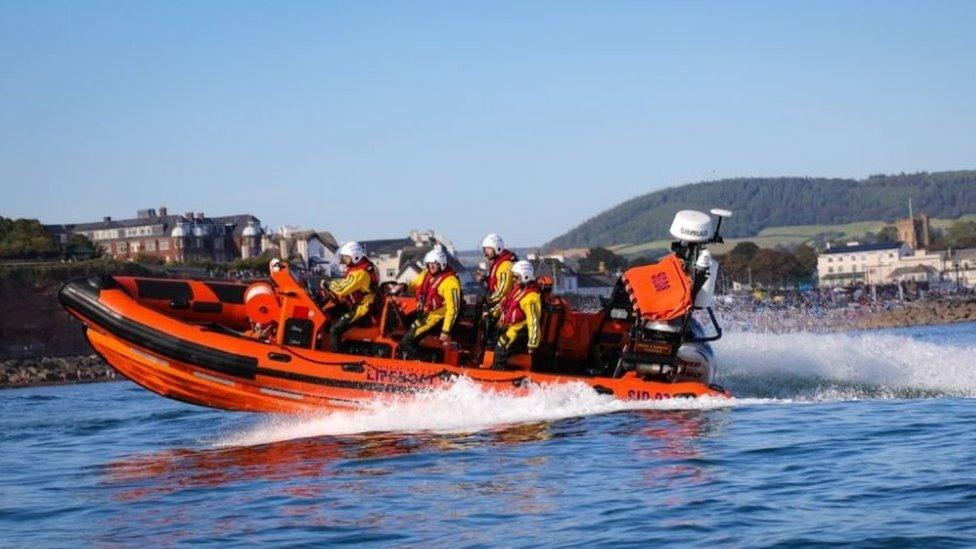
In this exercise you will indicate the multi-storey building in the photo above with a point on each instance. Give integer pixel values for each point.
(961, 267)
(170, 237)
(315, 250)
(886, 263)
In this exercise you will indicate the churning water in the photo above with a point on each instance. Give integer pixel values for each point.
(864, 438)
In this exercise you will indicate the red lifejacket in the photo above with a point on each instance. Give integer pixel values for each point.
(512, 312)
(493, 270)
(363, 264)
(427, 294)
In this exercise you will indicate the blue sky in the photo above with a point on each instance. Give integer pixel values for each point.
(524, 118)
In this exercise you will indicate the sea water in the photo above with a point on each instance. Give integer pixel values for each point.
(863, 438)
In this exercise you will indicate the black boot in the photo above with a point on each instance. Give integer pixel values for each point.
(407, 349)
(335, 333)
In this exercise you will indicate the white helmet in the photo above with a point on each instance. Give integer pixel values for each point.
(352, 249)
(523, 271)
(436, 255)
(493, 241)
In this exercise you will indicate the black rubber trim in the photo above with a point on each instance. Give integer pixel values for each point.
(171, 290)
(84, 298)
(228, 293)
(207, 307)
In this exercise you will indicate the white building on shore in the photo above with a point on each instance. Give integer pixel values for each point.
(961, 267)
(874, 264)
(313, 249)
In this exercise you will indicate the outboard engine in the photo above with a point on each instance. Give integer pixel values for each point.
(665, 340)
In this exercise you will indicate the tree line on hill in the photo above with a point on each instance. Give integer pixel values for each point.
(758, 203)
(27, 239)
(743, 263)
(748, 263)
(784, 266)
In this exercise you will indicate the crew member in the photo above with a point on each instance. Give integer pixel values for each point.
(498, 281)
(438, 292)
(356, 291)
(521, 311)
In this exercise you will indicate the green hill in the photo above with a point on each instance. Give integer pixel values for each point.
(760, 203)
(772, 237)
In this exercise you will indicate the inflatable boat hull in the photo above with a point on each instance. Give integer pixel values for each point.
(208, 366)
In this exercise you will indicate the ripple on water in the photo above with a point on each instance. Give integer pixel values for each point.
(848, 439)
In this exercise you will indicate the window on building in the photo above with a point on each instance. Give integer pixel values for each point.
(391, 273)
(218, 244)
(830, 260)
(150, 245)
(135, 247)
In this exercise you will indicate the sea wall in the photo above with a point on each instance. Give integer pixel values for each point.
(32, 322)
(40, 343)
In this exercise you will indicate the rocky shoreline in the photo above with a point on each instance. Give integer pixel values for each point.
(32, 372)
(920, 314)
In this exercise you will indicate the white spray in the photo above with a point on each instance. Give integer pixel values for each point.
(758, 368)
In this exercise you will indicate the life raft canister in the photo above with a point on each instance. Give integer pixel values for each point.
(261, 303)
(430, 300)
(661, 291)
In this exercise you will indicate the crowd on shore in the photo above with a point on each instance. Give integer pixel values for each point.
(849, 309)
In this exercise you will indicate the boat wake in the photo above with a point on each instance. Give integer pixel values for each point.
(464, 407)
(758, 369)
(817, 367)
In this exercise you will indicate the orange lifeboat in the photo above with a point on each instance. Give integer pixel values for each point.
(263, 347)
